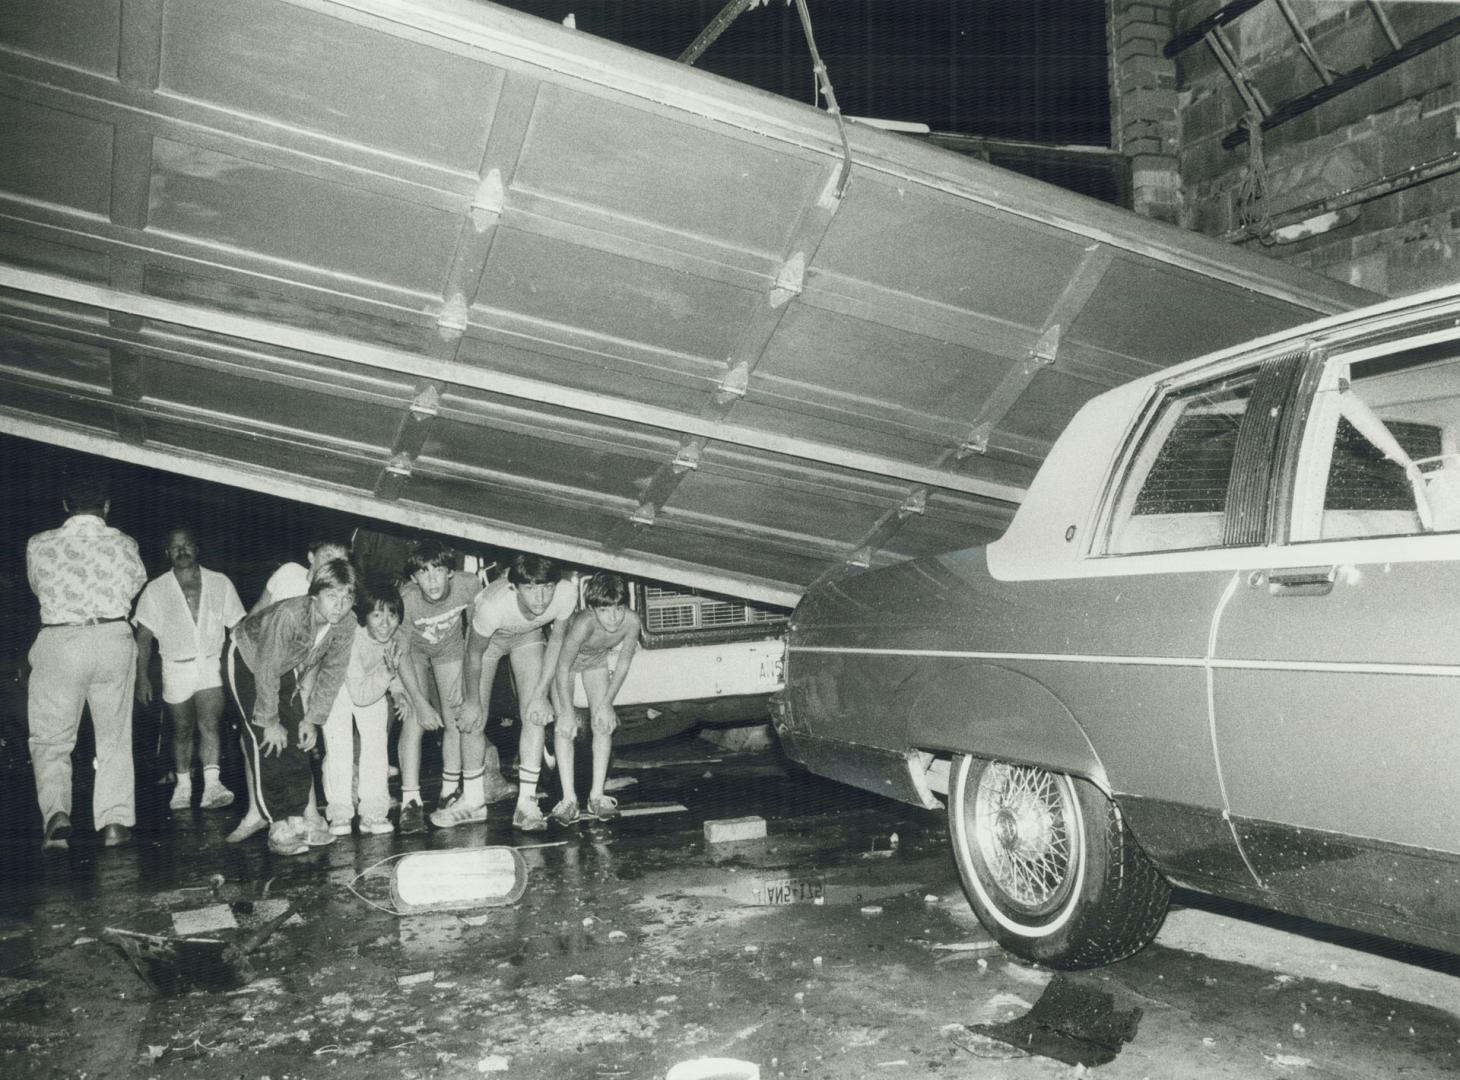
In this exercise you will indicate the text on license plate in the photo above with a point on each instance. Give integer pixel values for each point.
(791, 891)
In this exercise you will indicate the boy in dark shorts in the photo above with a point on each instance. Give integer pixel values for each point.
(599, 647)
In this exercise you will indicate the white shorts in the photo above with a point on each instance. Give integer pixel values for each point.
(181, 679)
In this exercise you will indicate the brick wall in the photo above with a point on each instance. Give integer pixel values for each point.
(1395, 244)
(1145, 123)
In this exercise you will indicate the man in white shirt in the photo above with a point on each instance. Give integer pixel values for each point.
(187, 611)
(84, 574)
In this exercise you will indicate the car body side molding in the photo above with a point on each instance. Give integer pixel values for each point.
(1004, 714)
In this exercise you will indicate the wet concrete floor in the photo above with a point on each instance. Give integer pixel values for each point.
(637, 945)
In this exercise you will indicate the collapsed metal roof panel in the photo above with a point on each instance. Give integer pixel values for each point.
(443, 264)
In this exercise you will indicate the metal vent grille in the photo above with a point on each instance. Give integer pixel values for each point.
(672, 609)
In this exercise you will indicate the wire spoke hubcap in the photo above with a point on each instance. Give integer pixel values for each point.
(1022, 826)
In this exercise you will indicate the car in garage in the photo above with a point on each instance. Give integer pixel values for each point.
(1216, 648)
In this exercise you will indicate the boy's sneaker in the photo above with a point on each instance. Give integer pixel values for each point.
(603, 807)
(412, 819)
(316, 833)
(459, 813)
(449, 799)
(182, 797)
(286, 839)
(215, 797)
(566, 812)
(376, 826)
(340, 828)
(529, 819)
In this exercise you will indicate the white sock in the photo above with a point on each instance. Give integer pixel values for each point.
(527, 786)
(410, 796)
(210, 776)
(473, 790)
(450, 781)
(184, 782)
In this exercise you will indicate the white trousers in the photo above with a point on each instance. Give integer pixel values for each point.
(72, 667)
(371, 721)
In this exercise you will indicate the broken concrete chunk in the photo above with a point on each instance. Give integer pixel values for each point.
(204, 920)
(416, 979)
(729, 830)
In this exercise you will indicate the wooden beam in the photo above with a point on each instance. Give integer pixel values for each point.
(1437, 35)
(1179, 43)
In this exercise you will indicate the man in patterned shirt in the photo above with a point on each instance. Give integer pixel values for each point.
(84, 574)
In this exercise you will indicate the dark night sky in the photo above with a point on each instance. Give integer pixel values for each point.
(1014, 69)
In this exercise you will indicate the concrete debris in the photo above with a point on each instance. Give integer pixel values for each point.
(647, 809)
(14, 988)
(618, 783)
(1289, 1061)
(985, 946)
(871, 909)
(617, 935)
(416, 979)
(714, 1069)
(206, 920)
(730, 830)
(494, 1063)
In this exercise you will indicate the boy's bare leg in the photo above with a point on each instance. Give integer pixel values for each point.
(595, 686)
(563, 745)
(408, 753)
(447, 673)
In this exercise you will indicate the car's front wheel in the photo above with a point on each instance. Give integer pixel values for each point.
(1049, 866)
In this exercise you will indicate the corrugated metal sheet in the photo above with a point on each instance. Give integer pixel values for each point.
(444, 264)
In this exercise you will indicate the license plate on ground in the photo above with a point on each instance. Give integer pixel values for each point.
(791, 890)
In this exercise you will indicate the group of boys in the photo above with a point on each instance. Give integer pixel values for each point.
(441, 625)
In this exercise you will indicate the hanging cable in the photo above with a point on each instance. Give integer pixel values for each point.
(1252, 206)
(823, 82)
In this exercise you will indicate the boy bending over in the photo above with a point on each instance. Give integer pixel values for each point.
(606, 625)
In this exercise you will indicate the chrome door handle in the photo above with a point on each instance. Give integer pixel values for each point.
(1301, 581)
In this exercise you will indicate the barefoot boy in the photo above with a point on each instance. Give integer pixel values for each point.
(593, 635)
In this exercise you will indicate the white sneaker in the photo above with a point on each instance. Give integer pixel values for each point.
(182, 797)
(216, 796)
(376, 826)
(340, 828)
(285, 839)
(459, 813)
(316, 833)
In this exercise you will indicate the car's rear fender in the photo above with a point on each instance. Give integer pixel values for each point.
(991, 711)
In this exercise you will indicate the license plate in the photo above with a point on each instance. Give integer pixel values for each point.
(791, 891)
(773, 671)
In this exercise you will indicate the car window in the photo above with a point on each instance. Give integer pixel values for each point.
(1174, 494)
(1382, 457)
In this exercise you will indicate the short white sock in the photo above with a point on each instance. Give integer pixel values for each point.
(210, 775)
(410, 796)
(473, 791)
(185, 781)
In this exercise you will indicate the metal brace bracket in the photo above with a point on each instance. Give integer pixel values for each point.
(915, 503)
(687, 459)
(861, 558)
(1046, 349)
(734, 384)
(487, 203)
(400, 465)
(790, 280)
(452, 320)
(644, 514)
(427, 403)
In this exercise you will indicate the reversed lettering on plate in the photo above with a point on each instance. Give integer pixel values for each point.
(791, 891)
